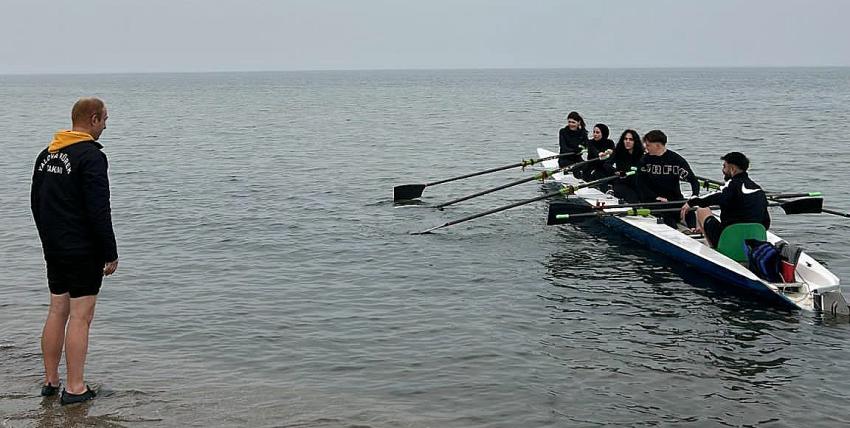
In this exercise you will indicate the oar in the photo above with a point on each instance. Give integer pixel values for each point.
(708, 183)
(413, 191)
(797, 206)
(541, 176)
(564, 191)
(567, 208)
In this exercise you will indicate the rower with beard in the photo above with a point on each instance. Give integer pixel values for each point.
(572, 139)
(741, 200)
(659, 173)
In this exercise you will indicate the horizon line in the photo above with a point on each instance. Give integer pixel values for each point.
(319, 70)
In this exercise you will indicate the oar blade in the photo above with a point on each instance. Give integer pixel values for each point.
(803, 206)
(407, 191)
(557, 209)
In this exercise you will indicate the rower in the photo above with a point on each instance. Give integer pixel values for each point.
(572, 139)
(660, 171)
(599, 146)
(741, 201)
(626, 155)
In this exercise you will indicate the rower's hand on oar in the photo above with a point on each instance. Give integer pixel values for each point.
(684, 211)
(661, 199)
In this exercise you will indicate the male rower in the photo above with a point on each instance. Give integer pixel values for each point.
(741, 200)
(660, 171)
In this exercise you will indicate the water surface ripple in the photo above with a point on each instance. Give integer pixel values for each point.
(267, 279)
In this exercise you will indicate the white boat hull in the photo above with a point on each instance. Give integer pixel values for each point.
(813, 280)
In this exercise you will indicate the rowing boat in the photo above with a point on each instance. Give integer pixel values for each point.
(815, 288)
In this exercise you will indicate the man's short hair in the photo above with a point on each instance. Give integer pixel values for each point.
(738, 159)
(655, 136)
(85, 108)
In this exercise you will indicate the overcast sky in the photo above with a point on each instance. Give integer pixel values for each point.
(70, 36)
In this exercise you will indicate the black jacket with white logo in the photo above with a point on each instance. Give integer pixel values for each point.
(741, 201)
(660, 176)
(70, 202)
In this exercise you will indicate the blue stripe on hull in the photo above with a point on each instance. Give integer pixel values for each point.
(725, 276)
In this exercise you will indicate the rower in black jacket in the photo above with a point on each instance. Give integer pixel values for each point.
(660, 172)
(572, 139)
(741, 200)
(627, 154)
(600, 144)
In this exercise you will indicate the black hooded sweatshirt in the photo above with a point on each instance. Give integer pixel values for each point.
(571, 142)
(741, 201)
(660, 176)
(596, 170)
(70, 199)
(621, 162)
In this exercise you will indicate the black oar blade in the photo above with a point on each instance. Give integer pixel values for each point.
(558, 208)
(803, 206)
(407, 191)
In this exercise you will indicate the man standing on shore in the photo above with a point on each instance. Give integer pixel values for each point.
(70, 204)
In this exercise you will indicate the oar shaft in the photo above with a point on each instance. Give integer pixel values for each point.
(639, 211)
(502, 208)
(630, 212)
(834, 212)
(794, 195)
(542, 176)
(564, 191)
(706, 181)
(474, 174)
(523, 163)
(681, 202)
(779, 197)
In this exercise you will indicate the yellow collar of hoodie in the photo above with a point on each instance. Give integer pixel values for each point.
(66, 138)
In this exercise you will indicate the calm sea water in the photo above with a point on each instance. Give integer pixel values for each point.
(267, 279)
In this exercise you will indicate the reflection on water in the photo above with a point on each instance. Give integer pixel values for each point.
(613, 302)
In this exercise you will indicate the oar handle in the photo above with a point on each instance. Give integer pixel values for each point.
(523, 164)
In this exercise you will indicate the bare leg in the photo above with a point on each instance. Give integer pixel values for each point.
(53, 336)
(702, 214)
(77, 342)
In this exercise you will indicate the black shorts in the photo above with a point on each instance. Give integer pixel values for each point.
(712, 228)
(77, 276)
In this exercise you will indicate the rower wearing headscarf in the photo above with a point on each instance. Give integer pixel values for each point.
(598, 146)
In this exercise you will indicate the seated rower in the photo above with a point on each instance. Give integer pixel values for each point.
(659, 173)
(572, 139)
(741, 201)
(599, 145)
(626, 155)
